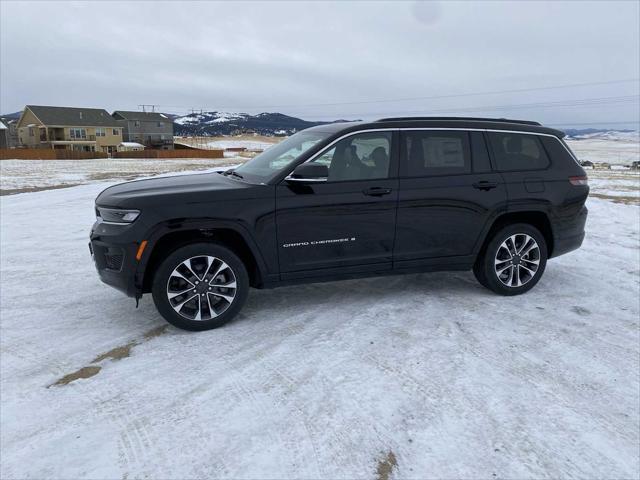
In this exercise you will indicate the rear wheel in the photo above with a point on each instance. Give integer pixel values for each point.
(200, 286)
(513, 260)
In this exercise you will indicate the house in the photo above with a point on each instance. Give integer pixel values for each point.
(130, 147)
(8, 132)
(4, 131)
(153, 130)
(80, 129)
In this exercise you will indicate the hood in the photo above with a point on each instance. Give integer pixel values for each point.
(192, 188)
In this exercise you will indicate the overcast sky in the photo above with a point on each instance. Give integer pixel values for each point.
(296, 58)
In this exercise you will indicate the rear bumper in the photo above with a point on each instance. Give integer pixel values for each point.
(568, 234)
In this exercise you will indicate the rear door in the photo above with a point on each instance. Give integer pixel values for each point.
(347, 223)
(448, 195)
(525, 167)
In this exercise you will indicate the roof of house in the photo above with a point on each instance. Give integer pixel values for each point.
(2, 126)
(142, 116)
(73, 117)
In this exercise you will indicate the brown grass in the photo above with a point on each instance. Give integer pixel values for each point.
(623, 199)
(13, 191)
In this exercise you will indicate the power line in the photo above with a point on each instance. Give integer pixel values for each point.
(598, 101)
(406, 99)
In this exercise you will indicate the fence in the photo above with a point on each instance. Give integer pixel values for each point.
(47, 154)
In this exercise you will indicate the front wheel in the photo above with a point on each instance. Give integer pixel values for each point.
(200, 286)
(513, 260)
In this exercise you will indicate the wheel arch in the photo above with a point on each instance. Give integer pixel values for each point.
(535, 218)
(166, 240)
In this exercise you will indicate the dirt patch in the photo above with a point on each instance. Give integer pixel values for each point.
(580, 310)
(155, 332)
(110, 176)
(84, 372)
(117, 353)
(625, 199)
(386, 466)
(14, 191)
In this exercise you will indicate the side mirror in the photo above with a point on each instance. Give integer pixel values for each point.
(309, 173)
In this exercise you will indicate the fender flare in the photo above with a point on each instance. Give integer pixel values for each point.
(158, 231)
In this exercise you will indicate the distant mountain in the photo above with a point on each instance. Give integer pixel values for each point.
(225, 123)
(593, 132)
(12, 116)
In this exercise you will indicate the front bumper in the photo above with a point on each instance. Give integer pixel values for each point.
(114, 249)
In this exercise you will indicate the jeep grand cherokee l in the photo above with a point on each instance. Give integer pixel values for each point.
(343, 200)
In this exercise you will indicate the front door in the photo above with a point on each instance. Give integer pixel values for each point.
(347, 223)
(448, 195)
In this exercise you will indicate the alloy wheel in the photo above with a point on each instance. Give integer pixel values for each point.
(201, 287)
(517, 260)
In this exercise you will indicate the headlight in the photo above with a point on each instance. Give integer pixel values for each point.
(116, 215)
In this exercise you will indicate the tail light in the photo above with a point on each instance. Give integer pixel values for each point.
(579, 180)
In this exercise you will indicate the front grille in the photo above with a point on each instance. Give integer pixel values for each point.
(113, 258)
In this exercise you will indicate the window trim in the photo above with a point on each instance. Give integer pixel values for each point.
(400, 129)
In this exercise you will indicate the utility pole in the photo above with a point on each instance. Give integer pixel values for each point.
(145, 106)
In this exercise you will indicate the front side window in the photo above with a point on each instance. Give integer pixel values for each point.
(518, 151)
(101, 132)
(435, 152)
(116, 131)
(274, 160)
(358, 157)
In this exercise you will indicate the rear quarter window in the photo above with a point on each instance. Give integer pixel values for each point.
(517, 152)
(561, 155)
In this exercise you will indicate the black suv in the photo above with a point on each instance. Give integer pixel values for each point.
(343, 200)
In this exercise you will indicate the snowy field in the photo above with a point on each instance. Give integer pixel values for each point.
(18, 176)
(419, 376)
(619, 148)
(250, 142)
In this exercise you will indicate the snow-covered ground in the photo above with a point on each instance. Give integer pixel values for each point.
(249, 142)
(423, 376)
(18, 176)
(619, 148)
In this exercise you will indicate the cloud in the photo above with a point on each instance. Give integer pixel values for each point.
(286, 55)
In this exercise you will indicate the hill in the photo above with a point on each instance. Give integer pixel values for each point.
(224, 123)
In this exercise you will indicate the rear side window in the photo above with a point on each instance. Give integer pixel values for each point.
(517, 151)
(435, 152)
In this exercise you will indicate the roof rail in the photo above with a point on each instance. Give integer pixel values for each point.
(478, 119)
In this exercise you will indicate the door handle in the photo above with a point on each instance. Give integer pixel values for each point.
(376, 191)
(484, 185)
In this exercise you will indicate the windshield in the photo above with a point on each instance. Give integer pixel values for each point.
(275, 159)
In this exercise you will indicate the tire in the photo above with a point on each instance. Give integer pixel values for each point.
(200, 286)
(513, 260)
